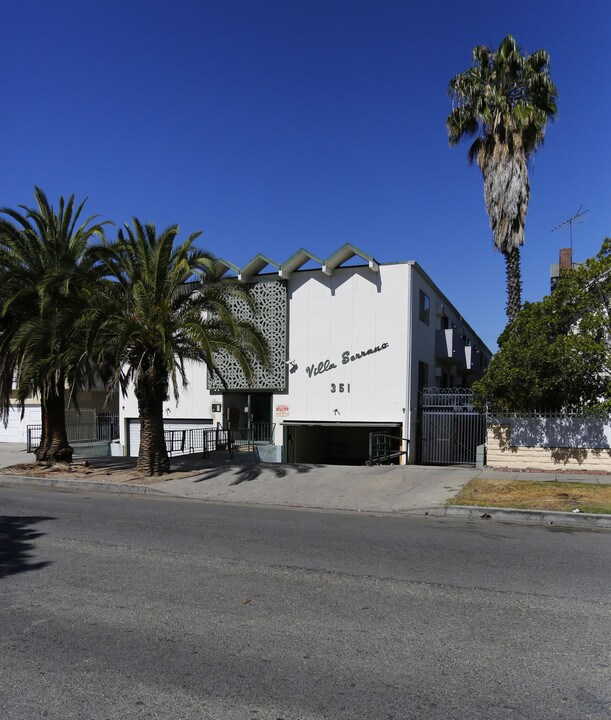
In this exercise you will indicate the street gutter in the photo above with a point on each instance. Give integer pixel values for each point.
(545, 517)
(87, 485)
(469, 512)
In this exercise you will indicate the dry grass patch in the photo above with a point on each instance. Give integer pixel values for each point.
(524, 495)
(96, 469)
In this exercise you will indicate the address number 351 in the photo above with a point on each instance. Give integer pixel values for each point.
(340, 387)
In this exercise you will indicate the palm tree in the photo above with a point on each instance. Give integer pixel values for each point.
(505, 101)
(47, 274)
(160, 307)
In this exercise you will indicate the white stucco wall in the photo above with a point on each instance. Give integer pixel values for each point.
(16, 427)
(333, 319)
(194, 402)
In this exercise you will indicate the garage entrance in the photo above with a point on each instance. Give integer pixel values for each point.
(332, 443)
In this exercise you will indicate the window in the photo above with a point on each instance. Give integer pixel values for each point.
(425, 307)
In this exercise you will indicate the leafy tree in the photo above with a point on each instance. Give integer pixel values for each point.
(505, 102)
(47, 274)
(556, 355)
(160, 307)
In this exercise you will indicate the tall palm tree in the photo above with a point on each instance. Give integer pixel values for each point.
(505, 102)
(47, 274)
(160, 307)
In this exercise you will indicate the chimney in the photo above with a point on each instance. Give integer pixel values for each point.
(566, 259)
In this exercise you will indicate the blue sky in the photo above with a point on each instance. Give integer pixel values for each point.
(273, 125)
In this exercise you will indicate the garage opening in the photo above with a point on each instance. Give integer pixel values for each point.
(332, 443)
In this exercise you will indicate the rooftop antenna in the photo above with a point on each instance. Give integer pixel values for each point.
(576, 218)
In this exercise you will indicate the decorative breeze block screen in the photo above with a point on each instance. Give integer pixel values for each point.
(271, 319)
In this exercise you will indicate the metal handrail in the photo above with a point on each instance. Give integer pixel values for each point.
(382, 447)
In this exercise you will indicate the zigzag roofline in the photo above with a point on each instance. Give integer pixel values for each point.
(259, 262)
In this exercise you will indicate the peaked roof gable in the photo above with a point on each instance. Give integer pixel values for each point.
(295, 262)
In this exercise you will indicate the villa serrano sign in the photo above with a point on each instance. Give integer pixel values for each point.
(347, 357)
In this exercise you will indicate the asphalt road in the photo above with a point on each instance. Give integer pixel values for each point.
(122, 607)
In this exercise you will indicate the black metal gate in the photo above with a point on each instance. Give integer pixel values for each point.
(450, 427)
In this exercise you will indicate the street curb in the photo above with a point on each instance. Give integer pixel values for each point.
(125, 488)
(546, 517)
(470, 512)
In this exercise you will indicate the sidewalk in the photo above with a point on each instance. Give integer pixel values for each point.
(389, 488)
(397, 489)
(386, 488)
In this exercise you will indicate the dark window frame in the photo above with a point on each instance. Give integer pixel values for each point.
(424, 308)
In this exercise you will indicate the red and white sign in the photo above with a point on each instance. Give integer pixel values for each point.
(282, 410)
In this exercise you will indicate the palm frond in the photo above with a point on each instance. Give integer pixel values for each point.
(47, 275)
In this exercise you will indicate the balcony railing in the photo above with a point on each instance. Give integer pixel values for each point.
(449, 347)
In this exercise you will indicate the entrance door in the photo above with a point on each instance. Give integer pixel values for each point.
(235, 410)
(247, 410)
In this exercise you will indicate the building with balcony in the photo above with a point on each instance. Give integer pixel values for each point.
(352, 342)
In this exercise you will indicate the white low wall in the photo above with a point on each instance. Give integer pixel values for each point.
(502, 451)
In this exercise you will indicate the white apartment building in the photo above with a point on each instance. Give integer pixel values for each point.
(352, 341)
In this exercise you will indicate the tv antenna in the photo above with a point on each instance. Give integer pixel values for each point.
(576, 218)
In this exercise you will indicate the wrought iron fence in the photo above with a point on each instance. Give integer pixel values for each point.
(196, 440)
(108, 426)
(450, 427)
(263, 432)
(241, 438)
(103, 428)
(494, 413)
(178, 442)
(207, 440)
(460, 398)
(256, 434)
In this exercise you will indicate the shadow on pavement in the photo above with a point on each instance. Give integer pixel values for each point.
(246, 466)
(17, 546)
(250, 469)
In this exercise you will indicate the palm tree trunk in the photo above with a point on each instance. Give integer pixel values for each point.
(54, 445)
(514, 283)
(153, 455)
